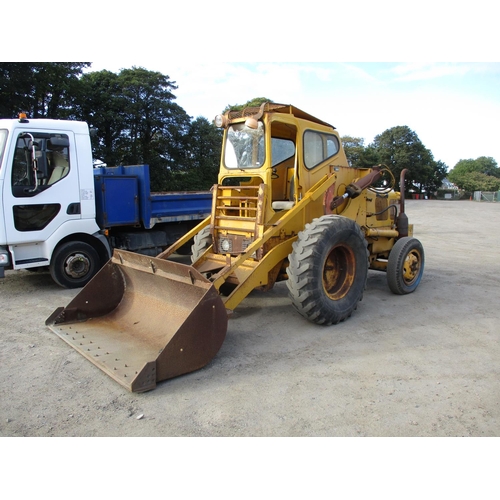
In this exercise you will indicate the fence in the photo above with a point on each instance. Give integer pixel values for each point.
(491, 196)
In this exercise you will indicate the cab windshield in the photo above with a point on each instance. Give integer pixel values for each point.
(3, 140)
(244, 146)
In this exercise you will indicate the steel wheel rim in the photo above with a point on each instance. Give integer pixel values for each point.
(336, 278)
(411, 267)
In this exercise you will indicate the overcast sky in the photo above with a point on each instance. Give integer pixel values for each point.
(453, 107)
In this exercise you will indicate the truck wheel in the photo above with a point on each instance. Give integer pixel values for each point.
(74, 264)
(328, 269)
(202, 241)
(405, 266)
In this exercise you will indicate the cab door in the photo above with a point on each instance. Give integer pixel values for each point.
(320, 152)
(42, 192)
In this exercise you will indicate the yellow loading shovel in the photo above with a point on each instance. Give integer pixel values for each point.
(143, 320)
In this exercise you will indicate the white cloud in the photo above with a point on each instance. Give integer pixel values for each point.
(429, 71)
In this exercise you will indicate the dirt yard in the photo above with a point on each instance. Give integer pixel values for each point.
(424, 364)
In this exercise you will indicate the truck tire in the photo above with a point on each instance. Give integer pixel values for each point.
(74, 264)
(405, 266)
(201, 242)
(328, 269)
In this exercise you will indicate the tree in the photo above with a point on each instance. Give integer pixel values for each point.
(399, 148)
(151, 117)
(353, 149)
(359, 155)
(136, 121)
(252, 103)
(433, 176)
(43, 90)
(204, 143)
(481, 174)
(101, 106)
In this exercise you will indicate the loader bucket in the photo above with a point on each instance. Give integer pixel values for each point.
(142, 320)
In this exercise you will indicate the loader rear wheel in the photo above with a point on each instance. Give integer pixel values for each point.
(74, 264)
(405, 266)
(328, 269)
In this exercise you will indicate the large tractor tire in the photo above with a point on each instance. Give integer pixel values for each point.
(74, 264)
(328, 269)
(405, 266)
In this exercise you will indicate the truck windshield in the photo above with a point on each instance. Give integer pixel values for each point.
(3, 140)
(244, 146)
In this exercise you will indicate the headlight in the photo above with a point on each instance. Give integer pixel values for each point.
(4, 258)
(225, 245)
(220, 121)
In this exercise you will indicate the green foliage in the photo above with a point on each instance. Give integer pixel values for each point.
(255, 102)
(357, 154)
(400, 148)
(102, 108)
(353, 149)
(433, 176)
(481, 174)
(43, 90)
(204, 143)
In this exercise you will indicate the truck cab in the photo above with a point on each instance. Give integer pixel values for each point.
(58, 211)
(47, 198)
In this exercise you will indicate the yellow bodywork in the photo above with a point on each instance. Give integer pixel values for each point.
(257, 212)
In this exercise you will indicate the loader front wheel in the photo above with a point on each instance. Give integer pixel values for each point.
(201, 242)
(74, 264)
(405, 266)
(328, 269)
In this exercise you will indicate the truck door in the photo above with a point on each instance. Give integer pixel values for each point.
(43, 192)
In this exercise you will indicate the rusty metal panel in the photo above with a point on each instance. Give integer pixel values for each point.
(381, 203)
(142, 320)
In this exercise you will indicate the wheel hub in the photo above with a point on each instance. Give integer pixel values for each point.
(338, 272)
(77, 265)
(411, 267)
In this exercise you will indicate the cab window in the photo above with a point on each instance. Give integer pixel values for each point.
(244, 147)
(318, 147)
(40, 161)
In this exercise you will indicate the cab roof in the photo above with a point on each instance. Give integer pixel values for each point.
(271, 107)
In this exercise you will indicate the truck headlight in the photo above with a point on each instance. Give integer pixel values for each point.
(4, 257)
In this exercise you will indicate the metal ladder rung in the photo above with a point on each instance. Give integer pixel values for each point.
(237, 187)
(229, 217)
(240, 229)
(229, 207)
(237, 198)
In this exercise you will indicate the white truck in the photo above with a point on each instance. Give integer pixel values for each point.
(58, 211)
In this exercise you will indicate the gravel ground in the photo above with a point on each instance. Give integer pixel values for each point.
(424, 364)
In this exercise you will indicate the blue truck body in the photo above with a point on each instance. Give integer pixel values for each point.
(138, 220)
(123, 198)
